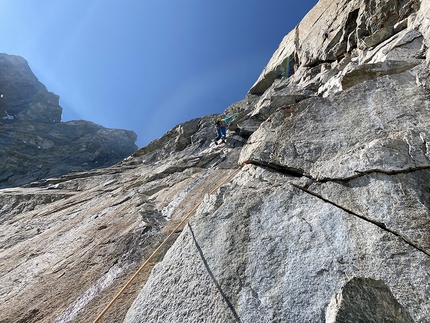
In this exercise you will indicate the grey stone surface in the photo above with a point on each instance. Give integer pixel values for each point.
(346, 24)
(365, 300)
(262, 250)
(329, 213)
(375, 125)
(22, 96)
(336, 186)
(67, 244)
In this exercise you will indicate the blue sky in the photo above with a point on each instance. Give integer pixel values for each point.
(146, 65)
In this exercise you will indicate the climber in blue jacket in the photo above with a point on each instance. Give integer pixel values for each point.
(220, 127)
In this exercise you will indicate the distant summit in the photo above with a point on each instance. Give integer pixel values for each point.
(22, 97)
(35, 144)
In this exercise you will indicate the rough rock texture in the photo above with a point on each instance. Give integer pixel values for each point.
(35, 144)
(328, 214)
(336, 182)
(365, 300)
(68, 244)
(264, 250)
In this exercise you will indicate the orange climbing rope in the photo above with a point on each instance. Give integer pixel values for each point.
(185, 219)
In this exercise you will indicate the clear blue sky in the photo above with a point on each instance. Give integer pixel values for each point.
(146, 65)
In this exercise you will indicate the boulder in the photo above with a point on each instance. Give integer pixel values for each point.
(365, 300)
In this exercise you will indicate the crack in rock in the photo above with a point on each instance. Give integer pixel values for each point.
(371, 171)
(378, 224)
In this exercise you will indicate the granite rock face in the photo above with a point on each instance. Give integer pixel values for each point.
(68, 244)
(35, 144)
(335, 187)
(325, 220)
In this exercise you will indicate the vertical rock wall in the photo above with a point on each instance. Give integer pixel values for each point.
(333, 201)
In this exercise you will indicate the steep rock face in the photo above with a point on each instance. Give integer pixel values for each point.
(22, 96)
(68, 244)
(265, 250)
(35, 144)
(327, 216)
(335, 187)
(332, 31)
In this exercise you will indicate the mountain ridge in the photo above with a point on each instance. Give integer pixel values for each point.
(35, 144)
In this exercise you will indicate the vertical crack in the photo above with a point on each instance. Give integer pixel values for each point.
(212, 276)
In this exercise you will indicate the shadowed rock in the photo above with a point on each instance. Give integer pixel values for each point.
(364, 300)
(35, 144)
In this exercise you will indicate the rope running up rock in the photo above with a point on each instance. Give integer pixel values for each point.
(185, 219)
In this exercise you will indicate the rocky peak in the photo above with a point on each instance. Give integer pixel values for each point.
(35, 144)
(22, 97)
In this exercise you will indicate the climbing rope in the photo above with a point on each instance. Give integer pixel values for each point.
(185, 219)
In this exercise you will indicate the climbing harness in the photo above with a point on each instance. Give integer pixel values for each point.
(185, 219)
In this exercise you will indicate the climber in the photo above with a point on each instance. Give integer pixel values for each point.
(220, 127)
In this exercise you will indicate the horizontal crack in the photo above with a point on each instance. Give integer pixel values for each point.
(284, 170)
(371, 171)
(300, 172)
(378, 224)
(122, 201)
